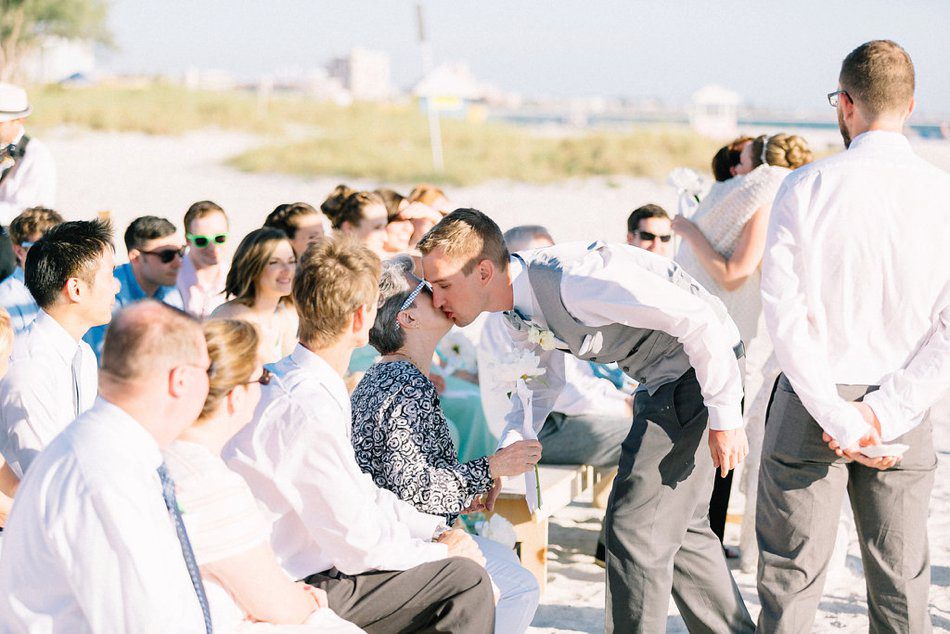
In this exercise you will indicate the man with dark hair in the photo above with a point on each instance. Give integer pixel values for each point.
(613, 303)
(52, 377)
(648, 227)
(858, 308)
(204, 271)
(155, 257)
(25, 229)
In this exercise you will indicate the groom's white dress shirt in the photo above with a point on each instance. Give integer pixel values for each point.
(37, 394)
(89, 545)
(856, 284)
(297, 458)
(602, 288)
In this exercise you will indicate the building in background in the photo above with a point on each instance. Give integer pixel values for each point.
(58, 59)
(715, 112)
(364, 73)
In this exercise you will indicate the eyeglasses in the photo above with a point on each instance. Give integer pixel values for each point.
(166, 255)
(201, 241)
(646, 236)
(263, 379)
(833, 97)
(423, 285)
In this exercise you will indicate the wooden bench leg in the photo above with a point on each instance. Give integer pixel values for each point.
(603, 483)
(532, 536)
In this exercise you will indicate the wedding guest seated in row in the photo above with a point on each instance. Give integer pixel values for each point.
(303, 224)
(591, 416)
(8, 479)
(360, 215)
(259, 286)
(52, 377)
(203, 270)
(229, 534)
(384, 565)
(95, 540)
(648, 228)
(25, 229)
(398, 228)
(401, 438)
(155, 253)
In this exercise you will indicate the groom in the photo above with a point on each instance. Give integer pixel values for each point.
(612, 303)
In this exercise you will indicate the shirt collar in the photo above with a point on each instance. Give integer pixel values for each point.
(524, 301)
(880, 138)
(321, 370)
(61, 341)
(131, 291)
(128, 432)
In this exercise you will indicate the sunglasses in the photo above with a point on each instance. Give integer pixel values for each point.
(166, 255)
(200, 241)
(263, 379)
(646, 236)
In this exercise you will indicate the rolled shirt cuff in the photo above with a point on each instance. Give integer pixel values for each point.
(423, 525)
(724, 418)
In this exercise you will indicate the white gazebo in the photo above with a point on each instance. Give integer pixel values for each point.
(714, 112)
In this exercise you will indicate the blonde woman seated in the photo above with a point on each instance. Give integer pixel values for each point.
(246, 587)
(258, 287)
(401, 438)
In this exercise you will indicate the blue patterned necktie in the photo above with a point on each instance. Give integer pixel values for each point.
(168, 492)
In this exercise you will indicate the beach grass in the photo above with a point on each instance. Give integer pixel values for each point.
(381, 142)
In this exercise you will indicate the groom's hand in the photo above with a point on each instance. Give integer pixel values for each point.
(728, 448)
(870, 438)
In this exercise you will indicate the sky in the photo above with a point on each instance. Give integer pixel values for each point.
(774, 54)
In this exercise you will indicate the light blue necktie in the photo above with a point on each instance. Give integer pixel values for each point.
(168, 492)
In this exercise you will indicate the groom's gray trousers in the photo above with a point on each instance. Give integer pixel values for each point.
(658, 536)
(801, 488)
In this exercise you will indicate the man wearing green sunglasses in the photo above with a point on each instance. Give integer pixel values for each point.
(204, 270)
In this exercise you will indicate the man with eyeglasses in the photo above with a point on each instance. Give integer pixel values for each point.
(155, 257)
(204, 270)
(25, 229)
(857, 304)
(648, 227)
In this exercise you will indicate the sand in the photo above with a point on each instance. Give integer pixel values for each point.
(134, 174)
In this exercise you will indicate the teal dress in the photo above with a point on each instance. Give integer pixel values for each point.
(462, 404)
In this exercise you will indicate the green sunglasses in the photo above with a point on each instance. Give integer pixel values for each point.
(200, 241)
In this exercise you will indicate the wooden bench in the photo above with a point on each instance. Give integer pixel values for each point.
(559, 486)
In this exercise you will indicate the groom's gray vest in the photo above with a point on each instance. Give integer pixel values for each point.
(650, 357)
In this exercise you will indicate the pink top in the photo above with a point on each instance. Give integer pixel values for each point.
(199, 300)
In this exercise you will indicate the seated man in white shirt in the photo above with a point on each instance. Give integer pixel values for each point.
(27, 228)
(649, 228)
(204, 269)
(385, 566)
(591, 416)
(95, 540)
(52, 377)
(155, 251)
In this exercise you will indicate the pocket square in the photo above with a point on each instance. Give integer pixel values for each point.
(591, 344)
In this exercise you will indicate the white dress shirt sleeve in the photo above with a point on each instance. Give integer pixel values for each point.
(799, 346)
(544, 390)
(603, 291)
(360, 525)
(906, 394)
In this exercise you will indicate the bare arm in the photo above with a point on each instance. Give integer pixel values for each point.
(730, 273)
(261, 588)
(8, 486)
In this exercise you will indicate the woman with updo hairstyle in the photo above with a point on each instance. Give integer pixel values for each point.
(258, 288)
(303, 224)
(722, 247)
(360, 215)
(228, 533)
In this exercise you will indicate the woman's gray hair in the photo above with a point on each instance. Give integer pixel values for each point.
(386, 335)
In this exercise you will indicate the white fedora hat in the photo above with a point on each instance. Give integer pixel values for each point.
(13, 102)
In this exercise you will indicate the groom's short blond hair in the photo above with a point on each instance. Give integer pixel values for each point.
(468, 235)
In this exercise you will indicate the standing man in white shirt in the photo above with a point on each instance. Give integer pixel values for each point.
(26, 229)
(95, 540)
(27, 170)
(384, 565)
(52, 377)
(856, 295)
(204, 270)
(615, 303)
